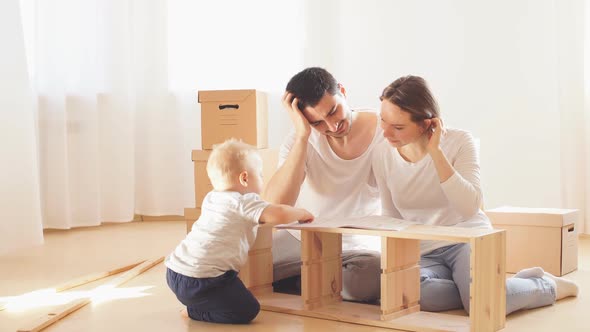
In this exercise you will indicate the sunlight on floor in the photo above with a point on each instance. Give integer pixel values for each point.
(49, 297)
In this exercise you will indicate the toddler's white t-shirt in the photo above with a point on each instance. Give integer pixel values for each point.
(220, 239)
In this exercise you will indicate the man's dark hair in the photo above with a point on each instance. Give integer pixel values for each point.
(310, 85)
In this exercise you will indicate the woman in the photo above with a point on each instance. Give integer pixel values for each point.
(429, 174)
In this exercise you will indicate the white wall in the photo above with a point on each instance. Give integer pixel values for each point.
(232, 44)
(497, 68)
(574, 126)
(257, 44)
(511, 72)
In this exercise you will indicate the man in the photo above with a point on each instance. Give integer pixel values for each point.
(327, 170)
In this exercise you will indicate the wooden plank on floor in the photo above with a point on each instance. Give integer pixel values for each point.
(93, 277)
(62, 311)
(87, 279)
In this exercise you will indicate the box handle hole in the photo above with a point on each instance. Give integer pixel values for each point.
(224, 106)
(570, 229)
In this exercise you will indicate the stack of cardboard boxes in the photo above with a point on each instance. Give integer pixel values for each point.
(241, 114)
(538, 237)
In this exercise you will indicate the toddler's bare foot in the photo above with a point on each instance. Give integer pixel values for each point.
(184, 312)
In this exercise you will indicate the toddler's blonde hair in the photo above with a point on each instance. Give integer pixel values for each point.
(228, 160)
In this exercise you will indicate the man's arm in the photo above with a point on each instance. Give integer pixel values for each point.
(284, 186)
(281, 214)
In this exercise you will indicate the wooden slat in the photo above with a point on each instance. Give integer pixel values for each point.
(258, 269)
(93, 277)
(399, 253)
(400, 277)
(257, 273)
(87, 279)
(488, 283)
(135, 272)
(54, 315)
(263, 237)
(62, 311)
(400, 290)
(321, 268)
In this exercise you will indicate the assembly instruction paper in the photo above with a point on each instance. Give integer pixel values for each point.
(372, 222)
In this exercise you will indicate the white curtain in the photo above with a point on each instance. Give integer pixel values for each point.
(586, 123)
(20, 213)
(109, 142)
(114, 87)
(115, 83)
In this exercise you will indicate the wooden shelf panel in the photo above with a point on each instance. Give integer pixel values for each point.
(418, 232)
(365, 314)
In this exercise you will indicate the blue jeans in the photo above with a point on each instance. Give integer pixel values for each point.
(222, 299)
(444, 283)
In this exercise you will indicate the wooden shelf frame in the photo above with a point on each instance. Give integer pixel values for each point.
(321, 279)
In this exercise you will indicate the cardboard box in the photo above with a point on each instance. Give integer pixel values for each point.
(538, 237)
(190, 216)
(269, 157)
(242, 114)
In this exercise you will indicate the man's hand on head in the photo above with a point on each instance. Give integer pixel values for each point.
(302, 126)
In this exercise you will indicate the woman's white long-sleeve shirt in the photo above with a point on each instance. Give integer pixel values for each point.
(413, 191)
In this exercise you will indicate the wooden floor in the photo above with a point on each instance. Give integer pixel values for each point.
(146, 304)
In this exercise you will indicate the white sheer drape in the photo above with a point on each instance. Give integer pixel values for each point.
(586, 123)
(108, 139)
(116, 84)
(20, 213)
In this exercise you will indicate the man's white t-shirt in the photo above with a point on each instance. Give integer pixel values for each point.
(412, 191)
(336, 187)
(220, 239)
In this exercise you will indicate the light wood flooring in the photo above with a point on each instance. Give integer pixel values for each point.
(146, 304)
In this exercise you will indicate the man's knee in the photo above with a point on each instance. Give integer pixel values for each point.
(361, 275)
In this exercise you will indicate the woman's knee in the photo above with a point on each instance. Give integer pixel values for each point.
(438, 294)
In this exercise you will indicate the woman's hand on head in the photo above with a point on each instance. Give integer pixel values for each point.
(302, 126)
(434, 131)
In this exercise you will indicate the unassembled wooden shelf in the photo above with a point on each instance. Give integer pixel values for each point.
(321, 279)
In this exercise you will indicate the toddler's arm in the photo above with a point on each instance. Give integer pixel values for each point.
(281, 214)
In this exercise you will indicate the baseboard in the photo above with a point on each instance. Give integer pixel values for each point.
(161, 218)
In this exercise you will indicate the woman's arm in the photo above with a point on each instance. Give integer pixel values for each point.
(460, 181)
